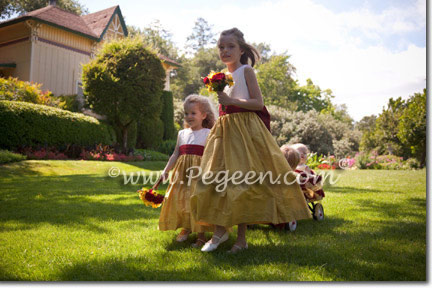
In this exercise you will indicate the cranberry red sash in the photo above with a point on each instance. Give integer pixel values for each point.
(263, 114)
(311, 180)
(191, 149)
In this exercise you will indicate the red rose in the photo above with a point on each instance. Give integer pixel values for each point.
(218, 77)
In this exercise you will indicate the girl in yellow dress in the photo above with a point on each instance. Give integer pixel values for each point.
(175, 213)
(240, 143)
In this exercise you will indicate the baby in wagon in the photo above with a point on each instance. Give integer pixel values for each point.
(310, 183)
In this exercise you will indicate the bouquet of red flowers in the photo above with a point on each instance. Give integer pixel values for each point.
(216, 81)
(150, 197)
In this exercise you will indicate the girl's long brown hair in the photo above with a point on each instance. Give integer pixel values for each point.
(250, 52)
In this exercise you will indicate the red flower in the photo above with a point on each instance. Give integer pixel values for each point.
(206, 80)
(218, 77)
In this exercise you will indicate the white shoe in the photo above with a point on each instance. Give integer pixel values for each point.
(291, 226)
(208, 247)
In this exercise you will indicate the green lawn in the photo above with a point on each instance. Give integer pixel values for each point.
(67, 220)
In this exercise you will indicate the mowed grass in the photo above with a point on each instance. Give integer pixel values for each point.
(68, 220)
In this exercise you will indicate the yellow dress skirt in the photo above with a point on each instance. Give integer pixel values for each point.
(176, 211)
(241, 142)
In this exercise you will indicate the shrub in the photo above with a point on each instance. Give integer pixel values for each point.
(32, 125)
(150, 155)
(149, 133)
(69, 102)
(44, 154)
(125, 82)
(8, 157)
(412, 163)
(167, 115)
(12, 89)
(313, 160)
(167, 147)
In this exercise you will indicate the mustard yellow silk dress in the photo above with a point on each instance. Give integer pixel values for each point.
(175, 212)
(242, 142)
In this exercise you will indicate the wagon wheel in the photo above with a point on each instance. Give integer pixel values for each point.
(318, 213)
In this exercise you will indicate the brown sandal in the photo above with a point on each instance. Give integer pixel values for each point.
(237, 248)
(199, 243)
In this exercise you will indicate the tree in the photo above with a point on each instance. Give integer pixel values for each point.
(367, 123)
(124, 82)
(10, 7)
(412, 126)
(201, 37)
(276, 82)
(311, 97)
(387, 127)
(189, 76)
(264, 50)
(157, 37)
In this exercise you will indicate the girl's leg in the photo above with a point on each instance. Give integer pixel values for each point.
(183, 235)
(241, 239)
(201, 240)
(219, 232)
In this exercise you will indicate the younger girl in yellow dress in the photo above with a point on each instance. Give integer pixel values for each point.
(175, 213)
(240, 142)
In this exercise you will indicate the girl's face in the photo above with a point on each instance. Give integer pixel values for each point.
(303, 155)
(229, 49)
(193, 116)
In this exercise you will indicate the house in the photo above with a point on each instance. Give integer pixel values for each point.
(49, 46)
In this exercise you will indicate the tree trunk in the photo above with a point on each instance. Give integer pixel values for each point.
(125, 136)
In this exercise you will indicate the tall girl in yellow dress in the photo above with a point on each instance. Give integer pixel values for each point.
(241, 142)
(175, 213)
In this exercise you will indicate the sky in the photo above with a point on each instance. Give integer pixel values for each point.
(365, 51)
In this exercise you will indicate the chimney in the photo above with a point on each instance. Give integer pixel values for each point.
(53, 3)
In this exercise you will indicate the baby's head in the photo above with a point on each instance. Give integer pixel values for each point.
(291, 155)
(247, 51)
(198, 111)
(303, 150)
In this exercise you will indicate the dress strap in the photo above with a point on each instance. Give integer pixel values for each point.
(191, 149)
(263, 114)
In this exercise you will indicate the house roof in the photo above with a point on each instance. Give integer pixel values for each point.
(92, 25)
(98, 21)
(168, 60)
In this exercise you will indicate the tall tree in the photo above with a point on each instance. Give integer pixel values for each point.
(10, 7)
(264, 50)
(201, 37)
(311, 97)
(189, 76)
(276, 82)
(412, 126)
(156, 36)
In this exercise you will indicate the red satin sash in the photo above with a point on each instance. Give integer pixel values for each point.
(191, 149)
(263, 114)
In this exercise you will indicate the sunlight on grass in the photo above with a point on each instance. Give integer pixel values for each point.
(67, 220)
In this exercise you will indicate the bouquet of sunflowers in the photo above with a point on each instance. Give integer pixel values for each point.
(150, 197)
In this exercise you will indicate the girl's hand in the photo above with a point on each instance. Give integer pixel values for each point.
(164, 176)
(223, 98)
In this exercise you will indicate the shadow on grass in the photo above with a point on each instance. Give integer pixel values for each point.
(69, 200)
(348, 190)
(356, 256)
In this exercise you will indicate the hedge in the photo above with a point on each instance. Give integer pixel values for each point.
(31, 125)
(167, 115)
